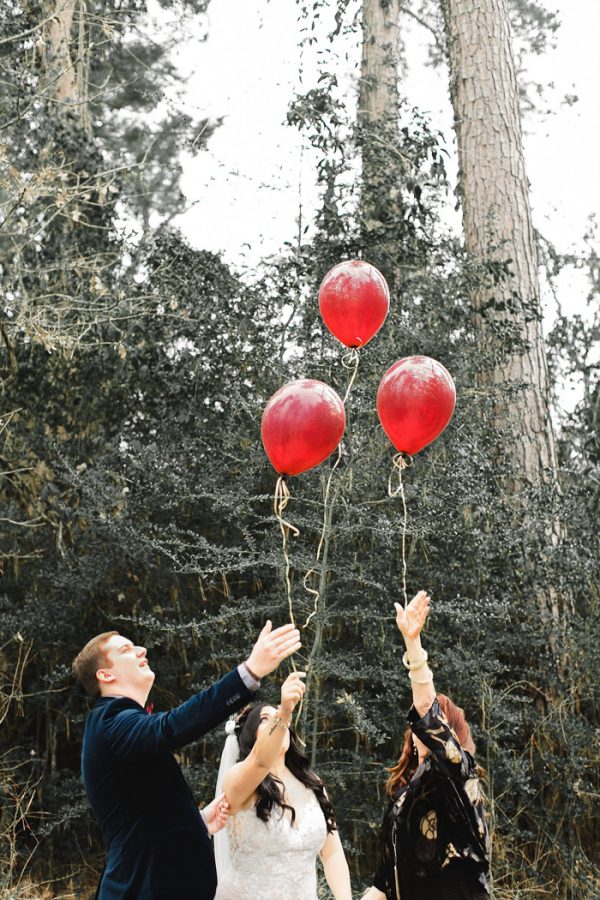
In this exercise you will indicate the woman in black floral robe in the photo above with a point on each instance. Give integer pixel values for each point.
(434, 835)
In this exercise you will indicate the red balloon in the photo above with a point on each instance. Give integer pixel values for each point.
(415, 402)
(302, 424)
(354, 300)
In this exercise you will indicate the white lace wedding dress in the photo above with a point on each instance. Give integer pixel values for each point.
(274, 860)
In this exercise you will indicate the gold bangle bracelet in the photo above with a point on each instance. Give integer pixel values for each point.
(418, 664)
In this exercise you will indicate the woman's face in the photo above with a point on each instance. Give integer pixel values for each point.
(266, 721)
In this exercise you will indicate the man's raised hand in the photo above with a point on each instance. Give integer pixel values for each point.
(272, 647)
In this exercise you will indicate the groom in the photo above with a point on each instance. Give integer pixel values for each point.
(157, 843)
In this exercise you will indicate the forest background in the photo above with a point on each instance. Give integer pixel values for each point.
(135, 366)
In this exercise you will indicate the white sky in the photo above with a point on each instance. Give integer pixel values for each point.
(250, 66)
(244, 190)
(245, 186)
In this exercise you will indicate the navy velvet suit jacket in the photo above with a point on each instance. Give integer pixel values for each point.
(157, 846)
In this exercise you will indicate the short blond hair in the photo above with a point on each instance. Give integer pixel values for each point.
(89, 660)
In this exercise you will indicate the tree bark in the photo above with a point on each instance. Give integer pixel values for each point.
(66, 58)
(378, 98)
(61, 79)
(377, 120)
(499, 234)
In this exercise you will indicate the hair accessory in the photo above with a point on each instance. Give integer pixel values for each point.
(239, 719)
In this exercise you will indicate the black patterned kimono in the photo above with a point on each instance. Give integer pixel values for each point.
(435, 838)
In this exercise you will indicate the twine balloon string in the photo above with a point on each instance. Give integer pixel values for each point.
(350, 361)
(401, 461)
(280, 501)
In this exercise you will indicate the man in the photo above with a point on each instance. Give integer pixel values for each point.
(157, 843)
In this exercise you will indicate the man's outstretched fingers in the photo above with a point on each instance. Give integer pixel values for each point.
(291, 636)
(290, 650)
(282, 631)
(283, 649)
(291, 632)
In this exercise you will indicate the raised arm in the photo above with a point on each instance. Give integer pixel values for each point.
(242, 779)
(410, 621)
(131, 732)
(426, 719)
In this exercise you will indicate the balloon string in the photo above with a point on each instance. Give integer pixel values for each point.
(281, 500)
(350, 360)
(401, 461)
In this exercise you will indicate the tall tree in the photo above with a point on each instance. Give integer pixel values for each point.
(378, 99)
(499, 234)
(378, 104)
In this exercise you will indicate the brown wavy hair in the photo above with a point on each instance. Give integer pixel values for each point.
(402, 772)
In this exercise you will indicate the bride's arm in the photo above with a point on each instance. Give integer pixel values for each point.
(242, 779)
(336, 867)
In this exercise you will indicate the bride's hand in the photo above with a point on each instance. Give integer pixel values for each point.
(292, 691)
(216, 814)
(410, 621)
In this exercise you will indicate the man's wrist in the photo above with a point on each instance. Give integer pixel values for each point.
(249, 677)
(251, 671)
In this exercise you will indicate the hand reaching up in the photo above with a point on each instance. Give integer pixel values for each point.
(292, 691)
(410, 621)
(272, 647)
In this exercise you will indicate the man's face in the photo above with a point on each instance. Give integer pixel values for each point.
(126, 668)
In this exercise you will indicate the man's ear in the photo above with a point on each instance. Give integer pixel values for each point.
(105, 676)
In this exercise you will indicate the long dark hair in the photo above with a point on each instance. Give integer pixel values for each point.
(270, 790)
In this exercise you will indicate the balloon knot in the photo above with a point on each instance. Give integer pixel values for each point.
(350, 359)
(402, 460)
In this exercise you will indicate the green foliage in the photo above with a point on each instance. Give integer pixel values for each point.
(135, 494)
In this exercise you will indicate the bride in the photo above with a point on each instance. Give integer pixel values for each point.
(280, 815)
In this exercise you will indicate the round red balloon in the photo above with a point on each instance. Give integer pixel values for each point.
(415, 402)
(302, 424)
(354, 300)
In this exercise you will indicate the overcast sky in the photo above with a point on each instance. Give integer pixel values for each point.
(244, 191)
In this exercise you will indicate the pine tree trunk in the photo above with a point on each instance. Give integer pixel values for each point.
(66, 58)
(377, 121)
(61, 80)
(498, 229)
(378, 100)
